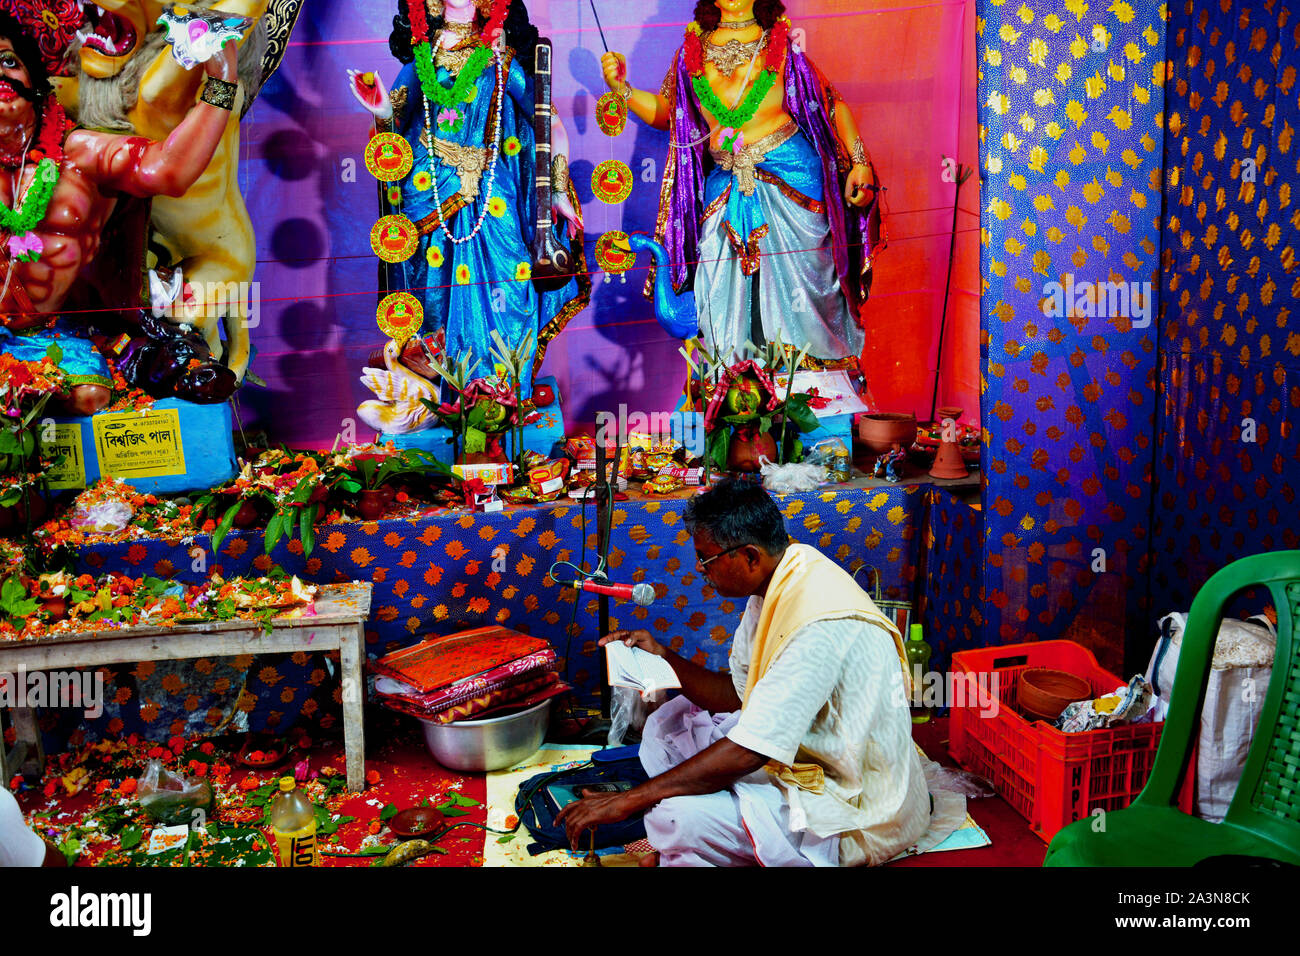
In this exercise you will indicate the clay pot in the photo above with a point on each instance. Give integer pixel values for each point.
(415, 822)
(745, 452)
(543, 395)
(372, 504)
(1042, 693)
(55, 607)
(16, 517)
(880, 431)
(949, 462)
(247, 515)
(477, 458)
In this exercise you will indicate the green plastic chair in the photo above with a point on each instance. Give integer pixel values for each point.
(1263, 820)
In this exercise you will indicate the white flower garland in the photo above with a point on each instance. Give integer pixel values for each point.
(494, 151)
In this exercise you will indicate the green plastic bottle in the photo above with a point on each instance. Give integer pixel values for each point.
(918, 661)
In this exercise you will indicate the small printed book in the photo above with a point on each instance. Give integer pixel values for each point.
(563, 794)
(638, 669)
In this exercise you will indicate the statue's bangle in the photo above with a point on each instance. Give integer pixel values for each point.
(560, 174)
(859, 153)
(219, 93)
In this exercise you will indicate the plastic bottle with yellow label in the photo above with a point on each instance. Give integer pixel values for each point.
(293, 824)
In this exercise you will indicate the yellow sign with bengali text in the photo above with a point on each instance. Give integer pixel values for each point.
(136, 445)
(64, 439)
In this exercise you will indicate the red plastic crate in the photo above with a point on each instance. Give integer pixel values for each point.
(1051, 778)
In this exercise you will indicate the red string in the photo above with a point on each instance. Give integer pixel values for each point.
(487, 282)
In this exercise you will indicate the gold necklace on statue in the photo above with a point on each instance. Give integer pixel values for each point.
(730, 56)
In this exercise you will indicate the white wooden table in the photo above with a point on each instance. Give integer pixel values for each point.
(339, 624)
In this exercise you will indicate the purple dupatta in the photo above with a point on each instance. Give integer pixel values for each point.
(808, 100)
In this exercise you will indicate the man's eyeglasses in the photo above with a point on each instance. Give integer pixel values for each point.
(704, 562)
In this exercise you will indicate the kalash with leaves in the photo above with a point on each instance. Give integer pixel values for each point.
(485, 408)
(26, 387)
(748, 419)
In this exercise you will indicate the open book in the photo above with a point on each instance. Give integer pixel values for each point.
(638, 669)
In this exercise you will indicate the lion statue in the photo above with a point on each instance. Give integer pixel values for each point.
(128, 80)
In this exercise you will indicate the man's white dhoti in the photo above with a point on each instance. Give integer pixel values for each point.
(746, 825)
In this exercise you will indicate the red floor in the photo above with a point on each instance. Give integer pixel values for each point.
(402, 774)
(1014, 844)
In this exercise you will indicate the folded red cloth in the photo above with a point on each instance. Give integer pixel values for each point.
(441, 661)
(522, 703)
(547, 684)
(505, 675)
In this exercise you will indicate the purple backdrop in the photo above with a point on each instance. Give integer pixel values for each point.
(313, 203)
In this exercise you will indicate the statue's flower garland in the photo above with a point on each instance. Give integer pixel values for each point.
(450, 117)
(449, 98)
(24, 244)
(773, 61)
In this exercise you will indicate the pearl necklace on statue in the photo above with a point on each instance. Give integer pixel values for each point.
(459, 92)
(737, 24)
(494, 152)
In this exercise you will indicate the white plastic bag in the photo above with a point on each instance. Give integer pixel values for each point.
(1239, 676)
(173, 798)
(785, 479)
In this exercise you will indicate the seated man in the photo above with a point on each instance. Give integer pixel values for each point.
(803, 755)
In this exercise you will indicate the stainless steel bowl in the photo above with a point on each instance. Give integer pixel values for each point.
(491, 744)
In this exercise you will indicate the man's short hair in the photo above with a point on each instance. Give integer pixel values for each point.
(735, 513)
(27, 50)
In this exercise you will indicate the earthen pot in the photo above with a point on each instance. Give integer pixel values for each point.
(415, 822)
(949, 462)
(477, 458)
(1043, 693)
(16, 517)
(247, 515)
(880, 431)
(371, 504)
(55, 607)
(745, 453)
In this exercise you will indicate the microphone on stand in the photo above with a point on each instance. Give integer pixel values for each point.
(641, 594)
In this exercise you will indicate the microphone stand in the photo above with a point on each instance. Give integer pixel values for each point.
(604, 524)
